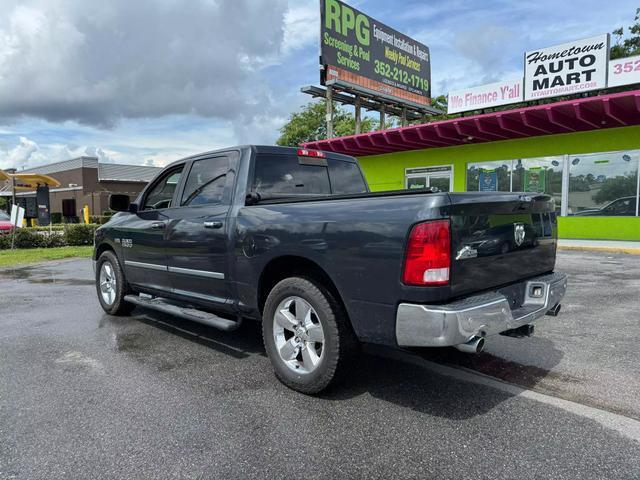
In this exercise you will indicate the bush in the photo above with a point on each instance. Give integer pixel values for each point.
(45, 237)
(56, 217)
(5, 241)
(54, 240)
(29, 238)
(79, 234)
(47, 229)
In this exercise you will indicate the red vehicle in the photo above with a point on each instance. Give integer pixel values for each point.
(5, 223)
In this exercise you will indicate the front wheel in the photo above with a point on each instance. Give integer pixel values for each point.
(307, 335)
(111, 285)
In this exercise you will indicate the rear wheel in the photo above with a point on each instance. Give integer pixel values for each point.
(306, 335)
(111, 285)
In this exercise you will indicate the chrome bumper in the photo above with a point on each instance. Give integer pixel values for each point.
(480, 315)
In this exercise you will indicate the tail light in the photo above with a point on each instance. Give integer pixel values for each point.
(428, 257)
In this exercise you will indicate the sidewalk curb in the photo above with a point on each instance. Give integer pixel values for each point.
(586, 248)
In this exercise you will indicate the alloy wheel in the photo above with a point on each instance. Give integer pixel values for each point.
(298, 335)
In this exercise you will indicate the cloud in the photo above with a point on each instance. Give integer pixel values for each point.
(99, 62)
(484, 45)
(22, 155)
(28, 154)
(301, 25)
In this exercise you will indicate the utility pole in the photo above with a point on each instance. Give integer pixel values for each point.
(13, 190)
(358, 115)
(329, 112)
(403, 118)
(382, 116)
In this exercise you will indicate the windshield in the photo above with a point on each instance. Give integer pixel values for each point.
(282, 175)
(4, 216)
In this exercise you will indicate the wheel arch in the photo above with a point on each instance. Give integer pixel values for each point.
(279, 268)
(101, 248)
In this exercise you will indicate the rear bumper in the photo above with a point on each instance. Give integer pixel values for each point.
(480, 315)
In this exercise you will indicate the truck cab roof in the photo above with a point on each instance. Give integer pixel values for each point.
(262, 149)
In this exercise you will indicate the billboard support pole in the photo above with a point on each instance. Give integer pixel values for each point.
(403, 118)
(358, 115)
(329, 112)
(381, 116)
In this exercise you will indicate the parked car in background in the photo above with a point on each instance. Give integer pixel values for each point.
(5, 223)
(620, 207)
(293, 238)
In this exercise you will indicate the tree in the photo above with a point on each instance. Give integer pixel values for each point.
(617, 187)
(440, 102)
(627, 47)
(309, 124)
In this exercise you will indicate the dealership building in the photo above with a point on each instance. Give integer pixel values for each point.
(569, 126)
(584, 152)
(86, 181)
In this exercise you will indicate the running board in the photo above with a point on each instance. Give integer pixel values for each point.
(206, 318)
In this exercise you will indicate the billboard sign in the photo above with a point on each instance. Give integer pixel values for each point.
(359, 50)
(624, 71)
(566, 69)
(485, 96)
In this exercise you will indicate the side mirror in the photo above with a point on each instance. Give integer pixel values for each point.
(119, 203)
(133, 207)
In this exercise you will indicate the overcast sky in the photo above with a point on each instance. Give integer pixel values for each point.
(150, 81)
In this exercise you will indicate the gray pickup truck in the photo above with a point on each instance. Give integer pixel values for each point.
(293, 238)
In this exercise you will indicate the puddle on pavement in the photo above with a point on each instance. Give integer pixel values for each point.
(41, 276)
(144, 348)
(131, 342)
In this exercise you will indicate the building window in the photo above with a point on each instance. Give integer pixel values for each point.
(543, 174)
(604, 184)
(424, 177)
(489, 176)
(600, 184)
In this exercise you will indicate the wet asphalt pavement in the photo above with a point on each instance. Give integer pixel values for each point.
(87, 395)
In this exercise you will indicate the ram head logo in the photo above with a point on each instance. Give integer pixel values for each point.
(518, 233)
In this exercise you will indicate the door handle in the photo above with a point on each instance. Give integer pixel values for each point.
(215, 224)
(158, 225)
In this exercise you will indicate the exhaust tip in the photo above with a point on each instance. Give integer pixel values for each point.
(475, 345)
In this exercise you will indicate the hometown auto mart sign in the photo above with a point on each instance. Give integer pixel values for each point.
(565, 69)
(573, 67)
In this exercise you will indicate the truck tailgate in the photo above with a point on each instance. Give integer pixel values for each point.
(500, 238)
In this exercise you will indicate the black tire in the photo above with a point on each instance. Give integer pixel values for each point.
(118, 306)
(340, 344)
